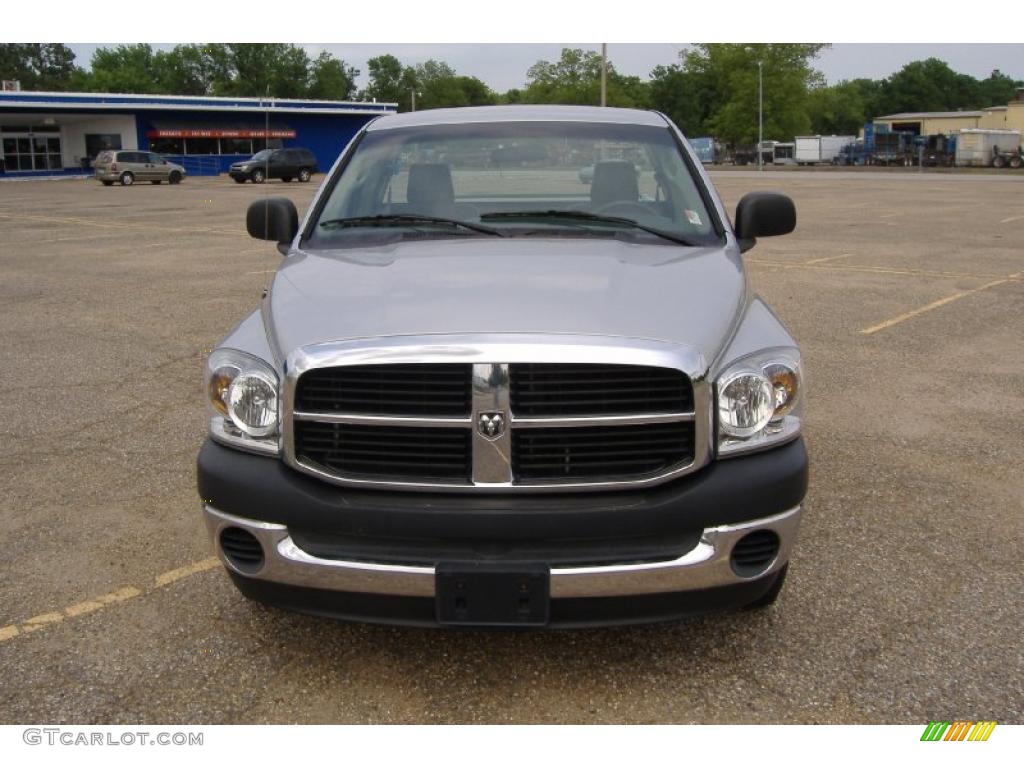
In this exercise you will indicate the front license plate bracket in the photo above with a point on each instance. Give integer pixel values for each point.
(493, 594)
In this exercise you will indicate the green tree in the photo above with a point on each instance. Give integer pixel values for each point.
(124, 69)
(576, 79)
(928, 86)
(39, 66)
(189, 70)
(842, 108)
(280, 69)
(729, 71)
(476, 91)
(683, 96)
(997, 89)
(331, 78)
(387, 81)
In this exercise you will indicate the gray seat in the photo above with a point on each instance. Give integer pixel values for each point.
(614, 181)
(430, 190)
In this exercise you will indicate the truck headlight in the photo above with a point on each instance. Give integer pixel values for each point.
(243, 393)
(759, 401)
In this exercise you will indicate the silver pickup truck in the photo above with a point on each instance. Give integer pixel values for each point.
(478, 392)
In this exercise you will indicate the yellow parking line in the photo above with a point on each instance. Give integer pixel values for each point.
(36, 622)
(823, 259)
(871, 270)
(187, 570)
(934, 305)
(96, 603)
(117, 224)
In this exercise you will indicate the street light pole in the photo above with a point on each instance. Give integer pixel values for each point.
(604, 74)
(760, 115)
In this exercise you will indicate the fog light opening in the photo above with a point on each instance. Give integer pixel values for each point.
(754, 553)
(242, 549)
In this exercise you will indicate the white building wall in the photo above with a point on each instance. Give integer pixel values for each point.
(74, 127)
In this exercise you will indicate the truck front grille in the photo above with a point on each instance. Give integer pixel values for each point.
(385, 452)
(557, 389)
(497, 426)
(382, 390)
(599, 453)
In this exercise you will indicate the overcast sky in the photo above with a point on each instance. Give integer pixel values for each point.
(503, 65)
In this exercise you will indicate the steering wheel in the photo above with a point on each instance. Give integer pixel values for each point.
(623, 208)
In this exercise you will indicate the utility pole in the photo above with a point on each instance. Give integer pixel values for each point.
(413, 92)
(760, 115)
(604, 74)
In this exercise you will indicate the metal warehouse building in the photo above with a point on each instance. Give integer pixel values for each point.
(1009, 117)
(60, 133)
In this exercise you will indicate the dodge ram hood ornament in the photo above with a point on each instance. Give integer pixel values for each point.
(491, 424)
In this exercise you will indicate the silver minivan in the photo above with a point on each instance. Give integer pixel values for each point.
(128, 166)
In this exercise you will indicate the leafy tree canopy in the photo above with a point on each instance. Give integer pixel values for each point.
(39, 66)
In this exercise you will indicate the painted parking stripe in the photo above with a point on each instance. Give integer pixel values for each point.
(180, 573)
(93, 604)
(934, 305)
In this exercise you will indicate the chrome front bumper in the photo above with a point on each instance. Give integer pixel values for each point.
(705, 566)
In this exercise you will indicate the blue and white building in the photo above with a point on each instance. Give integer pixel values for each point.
(60, 133)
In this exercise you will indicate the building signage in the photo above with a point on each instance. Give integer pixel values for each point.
(221, 133)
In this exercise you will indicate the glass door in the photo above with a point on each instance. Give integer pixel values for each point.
(32, 152)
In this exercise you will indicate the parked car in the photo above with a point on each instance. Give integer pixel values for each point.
(126, 166)
(283, 164)
(474, 400)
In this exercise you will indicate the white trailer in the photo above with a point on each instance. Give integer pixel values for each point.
(811, 150)
(979, 146)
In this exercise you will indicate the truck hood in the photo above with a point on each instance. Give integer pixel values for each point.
(580, 286)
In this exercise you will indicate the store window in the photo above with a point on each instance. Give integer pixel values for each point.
(201, 147)
(98, 142)
(168, 146)
(236, 147)
(30, 152)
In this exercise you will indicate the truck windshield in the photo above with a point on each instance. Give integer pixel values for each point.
(516, 179)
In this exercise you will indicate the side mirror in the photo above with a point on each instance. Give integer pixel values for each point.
(763, 214)
(274, 218)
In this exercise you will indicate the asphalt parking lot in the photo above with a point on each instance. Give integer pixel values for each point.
(906, 292)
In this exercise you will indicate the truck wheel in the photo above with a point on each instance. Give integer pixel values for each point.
(304, 175)
(772, 594)
(258, 177)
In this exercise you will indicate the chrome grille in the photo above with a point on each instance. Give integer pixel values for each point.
(558, 389)
(441, 417)
(382, 390)
(607, 453)
(385, 452)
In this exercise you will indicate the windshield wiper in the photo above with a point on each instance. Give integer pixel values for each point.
(584, 216)
(391, 219)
